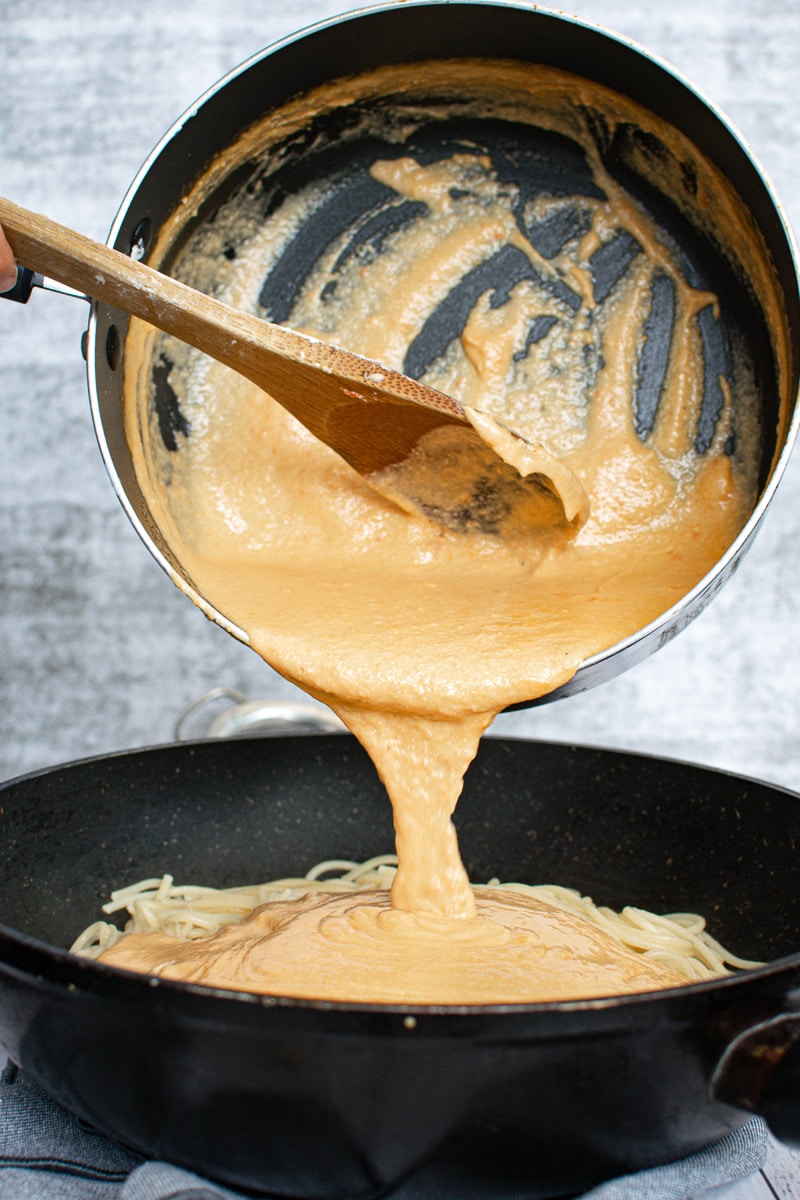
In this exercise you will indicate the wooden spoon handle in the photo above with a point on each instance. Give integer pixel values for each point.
(331, 391)
(108, 275)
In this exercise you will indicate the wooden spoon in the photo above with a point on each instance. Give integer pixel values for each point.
(374, 417)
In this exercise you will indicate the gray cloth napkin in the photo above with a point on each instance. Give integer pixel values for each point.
(48, 1154)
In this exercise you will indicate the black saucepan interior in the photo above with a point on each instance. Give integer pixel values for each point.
(335, 150)
(360, 215)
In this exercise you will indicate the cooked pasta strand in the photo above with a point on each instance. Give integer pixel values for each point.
(678, 941)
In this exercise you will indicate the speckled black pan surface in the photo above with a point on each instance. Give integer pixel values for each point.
(318, 1101)
(622, 828)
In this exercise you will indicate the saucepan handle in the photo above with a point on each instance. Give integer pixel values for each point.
(242, 717)
(760, 1072)
(27, 280)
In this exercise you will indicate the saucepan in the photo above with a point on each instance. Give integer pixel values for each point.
(211, 164)
(320, 1100)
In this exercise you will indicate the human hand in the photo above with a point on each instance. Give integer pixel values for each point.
(8, 266)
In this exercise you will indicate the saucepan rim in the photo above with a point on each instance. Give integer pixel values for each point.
(638, 645)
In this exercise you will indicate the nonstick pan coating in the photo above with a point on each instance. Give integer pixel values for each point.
(623, 829)
(317, 1100)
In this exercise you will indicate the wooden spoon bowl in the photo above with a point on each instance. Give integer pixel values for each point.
(372, 416)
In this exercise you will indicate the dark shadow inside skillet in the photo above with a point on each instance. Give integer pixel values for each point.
(321, 1102)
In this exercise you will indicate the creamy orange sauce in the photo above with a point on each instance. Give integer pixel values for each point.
(513, 950)
(418, 635)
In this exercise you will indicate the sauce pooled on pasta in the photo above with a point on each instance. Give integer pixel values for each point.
(418, 635)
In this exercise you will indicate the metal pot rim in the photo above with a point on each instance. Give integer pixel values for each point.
(662, 629)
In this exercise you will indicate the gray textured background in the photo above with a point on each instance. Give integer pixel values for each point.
(98, 651)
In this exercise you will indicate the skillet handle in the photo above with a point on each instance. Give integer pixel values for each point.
(760, 1072)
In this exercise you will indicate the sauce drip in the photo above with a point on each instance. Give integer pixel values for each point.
(418, 635)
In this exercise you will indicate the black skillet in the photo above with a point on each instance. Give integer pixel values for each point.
(322, 1101)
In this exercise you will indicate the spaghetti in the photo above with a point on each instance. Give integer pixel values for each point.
(679, 942)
